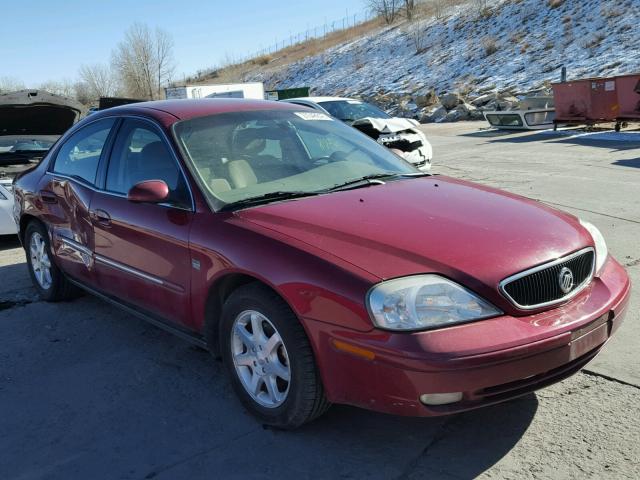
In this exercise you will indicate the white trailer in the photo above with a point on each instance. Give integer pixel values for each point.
(230, 90)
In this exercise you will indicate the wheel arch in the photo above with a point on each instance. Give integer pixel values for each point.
(25, 220)
(218, 292)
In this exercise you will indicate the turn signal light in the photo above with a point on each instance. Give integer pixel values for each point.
(352, 349)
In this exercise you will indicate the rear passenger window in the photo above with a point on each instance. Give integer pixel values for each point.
(79, 155)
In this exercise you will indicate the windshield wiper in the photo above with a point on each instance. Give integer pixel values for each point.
(268, 198)
(374, 179)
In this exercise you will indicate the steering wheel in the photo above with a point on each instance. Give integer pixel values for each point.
(323, 160)
(338, 156)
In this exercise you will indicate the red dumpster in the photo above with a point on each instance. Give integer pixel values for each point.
(628, 90)
(587, 101)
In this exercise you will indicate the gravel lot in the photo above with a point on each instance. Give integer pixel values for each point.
(88, 392)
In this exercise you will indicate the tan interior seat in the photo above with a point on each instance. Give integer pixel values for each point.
(241, 174)
(219, 185)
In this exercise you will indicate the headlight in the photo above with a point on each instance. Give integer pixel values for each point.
(422, 302)
(601, 245)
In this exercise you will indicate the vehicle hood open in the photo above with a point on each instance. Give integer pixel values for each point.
(385, 125)
(473, 234)
(36, 112)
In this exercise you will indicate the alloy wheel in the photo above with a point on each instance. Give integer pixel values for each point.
(40, 262)
(260, 359)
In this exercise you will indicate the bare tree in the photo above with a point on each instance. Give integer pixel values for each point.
(438, 8)
(10, 84)
(387, 9)
(63, 87)
(418, 39)
(82, 93)
(480, 5)
(144, 61)
(165, 64)
(98, 81)
(409, 8)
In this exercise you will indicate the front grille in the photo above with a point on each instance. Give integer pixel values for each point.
(540, 286)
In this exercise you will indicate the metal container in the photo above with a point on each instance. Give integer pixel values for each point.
(286, 93)
(628, 91)
(588, 101)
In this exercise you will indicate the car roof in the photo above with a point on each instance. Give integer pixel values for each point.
(185, 109)
(320, 99)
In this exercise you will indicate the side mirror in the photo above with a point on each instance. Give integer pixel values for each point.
(149, 191)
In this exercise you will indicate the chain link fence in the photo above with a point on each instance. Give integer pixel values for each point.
(317, 32)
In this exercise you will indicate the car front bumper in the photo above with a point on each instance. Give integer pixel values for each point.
(420, 158)
(488, 361)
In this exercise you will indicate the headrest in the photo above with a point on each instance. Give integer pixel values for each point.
(251, 141)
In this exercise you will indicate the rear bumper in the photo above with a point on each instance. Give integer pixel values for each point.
(531, 352)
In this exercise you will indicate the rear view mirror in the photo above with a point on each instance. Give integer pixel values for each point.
(149, 191)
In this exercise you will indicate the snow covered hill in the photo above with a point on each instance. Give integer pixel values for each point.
(513, 45)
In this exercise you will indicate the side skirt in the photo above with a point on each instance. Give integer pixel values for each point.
(170, 327)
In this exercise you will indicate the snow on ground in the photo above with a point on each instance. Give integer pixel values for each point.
(533, 40)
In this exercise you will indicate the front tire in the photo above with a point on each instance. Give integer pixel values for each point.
(47, 278)
(269, 359)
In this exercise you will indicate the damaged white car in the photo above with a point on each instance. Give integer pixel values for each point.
(7, 224)
(30, 123)
(397, 134)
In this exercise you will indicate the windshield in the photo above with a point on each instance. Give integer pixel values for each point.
(242, 155)
(352, 110)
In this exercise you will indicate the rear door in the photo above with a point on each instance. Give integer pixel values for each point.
(142, 250)
(66, 196)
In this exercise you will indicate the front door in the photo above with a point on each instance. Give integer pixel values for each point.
(66, 194)
(142, 250)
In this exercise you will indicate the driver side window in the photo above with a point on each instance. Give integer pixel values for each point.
(140, 154)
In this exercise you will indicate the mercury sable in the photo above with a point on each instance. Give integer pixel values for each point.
(320, 266)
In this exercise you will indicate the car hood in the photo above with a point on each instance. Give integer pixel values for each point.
(36, 112)
(473, 234)
(386, 125)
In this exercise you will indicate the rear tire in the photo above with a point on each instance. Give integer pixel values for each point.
(47, 278)
(269, 359)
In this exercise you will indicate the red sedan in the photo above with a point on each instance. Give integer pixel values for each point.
(320, 266)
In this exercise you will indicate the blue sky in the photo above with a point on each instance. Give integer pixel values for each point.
(45, 40)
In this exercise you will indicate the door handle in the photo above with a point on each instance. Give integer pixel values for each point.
(48, 197)
(101, 217)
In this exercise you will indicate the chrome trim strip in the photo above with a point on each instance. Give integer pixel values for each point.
(132, 271)
(111, 194)
(75, 245)
(117, 265)
(544, 266)
(137, 273)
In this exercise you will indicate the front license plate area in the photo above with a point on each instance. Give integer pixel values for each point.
(585, 342)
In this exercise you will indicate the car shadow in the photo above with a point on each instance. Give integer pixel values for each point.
(95, 393)
(488, 132)
(627, 140)
(630, 162)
